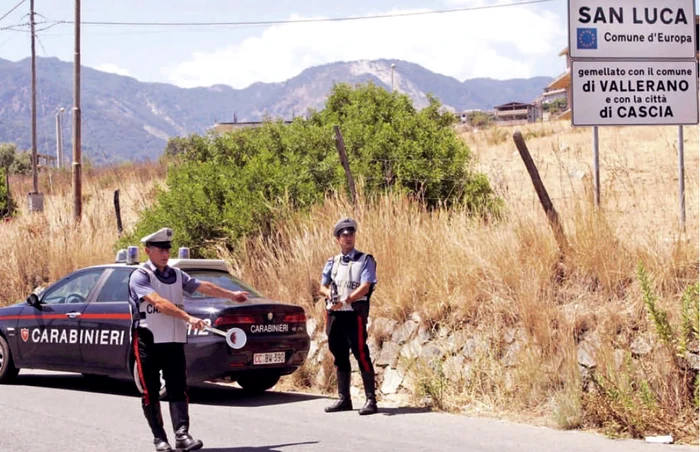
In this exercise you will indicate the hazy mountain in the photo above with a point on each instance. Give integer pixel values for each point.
(125, 119)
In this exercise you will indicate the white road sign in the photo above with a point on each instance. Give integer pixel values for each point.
(657, 29)
(606, 93)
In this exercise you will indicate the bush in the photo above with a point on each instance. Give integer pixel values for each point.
(222, 188)
(7, 204)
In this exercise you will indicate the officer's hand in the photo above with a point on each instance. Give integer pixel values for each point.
(338, 305)
(197, 324)
(239, 296)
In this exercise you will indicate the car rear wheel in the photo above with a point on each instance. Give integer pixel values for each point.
(8, 371)
(258, 382)
(137, 380)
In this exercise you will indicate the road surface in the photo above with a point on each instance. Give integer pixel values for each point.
(50, 411)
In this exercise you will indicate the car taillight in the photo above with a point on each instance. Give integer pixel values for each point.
(298, 317)
(234, 320)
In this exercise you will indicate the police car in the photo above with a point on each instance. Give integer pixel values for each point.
(82, 324)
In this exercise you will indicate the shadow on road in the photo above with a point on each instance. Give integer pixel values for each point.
(199, 394)
(274, 448)
(402, 411)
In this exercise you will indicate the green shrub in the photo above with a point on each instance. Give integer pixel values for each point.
(222, 188)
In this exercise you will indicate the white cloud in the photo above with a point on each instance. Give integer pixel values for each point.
(114, 69)
(499, 43)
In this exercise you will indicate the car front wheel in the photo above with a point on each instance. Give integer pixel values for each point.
(8, 371)
(137, 380)
(257, 383)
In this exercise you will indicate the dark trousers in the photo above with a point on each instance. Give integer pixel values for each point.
(347, 331)
(151, 359)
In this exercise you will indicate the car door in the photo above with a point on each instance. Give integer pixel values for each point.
(109, 317)
(50, 332)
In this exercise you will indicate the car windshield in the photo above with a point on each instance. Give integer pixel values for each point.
(221, 279)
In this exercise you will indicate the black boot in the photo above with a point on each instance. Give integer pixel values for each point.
(371, 403)
(179, 413)
(155, 421)
(344, 403)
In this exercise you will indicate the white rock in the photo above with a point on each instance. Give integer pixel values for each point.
(404, 333)
(311, 325)
(392, 381)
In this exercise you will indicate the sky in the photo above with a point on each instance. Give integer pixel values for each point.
(508, 41)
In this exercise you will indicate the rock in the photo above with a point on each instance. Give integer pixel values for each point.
(585, 355)
(321, 354)
(392, 381)
(457, 340)
(641, 345)
(692, 360)
(373, 347)
(424, 334)
(510, 358)
(474, 347)
(321, 377)
(513, 334)
(454, 368)
(381, 327)
(429, 351)
(388, 355)
(411, 350)
(311, 325)
(404, 333)
(313, 348)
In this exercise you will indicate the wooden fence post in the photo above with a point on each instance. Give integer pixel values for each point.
(340, 144)
(546, 202)
(117, 212)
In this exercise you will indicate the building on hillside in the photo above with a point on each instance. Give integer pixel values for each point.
(560, 88)
(516, 113)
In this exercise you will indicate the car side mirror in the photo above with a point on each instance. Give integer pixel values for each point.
(33, 300)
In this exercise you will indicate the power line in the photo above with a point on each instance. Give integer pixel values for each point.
(300, 21)
(13, 8)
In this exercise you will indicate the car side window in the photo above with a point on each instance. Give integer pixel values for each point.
(74, 289)
(116, 288)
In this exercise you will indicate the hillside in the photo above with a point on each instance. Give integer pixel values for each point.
(128, 120)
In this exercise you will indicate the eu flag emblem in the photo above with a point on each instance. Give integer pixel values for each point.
(586, 38)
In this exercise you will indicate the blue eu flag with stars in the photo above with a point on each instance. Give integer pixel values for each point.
(586, 38)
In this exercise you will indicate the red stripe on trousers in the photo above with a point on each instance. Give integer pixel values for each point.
(361, 344)
(140, 369)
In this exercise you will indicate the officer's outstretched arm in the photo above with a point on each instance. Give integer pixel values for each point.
(166, 307)
(213, 290)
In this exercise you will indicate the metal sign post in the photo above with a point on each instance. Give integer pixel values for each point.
(596, 168)
(681, 176)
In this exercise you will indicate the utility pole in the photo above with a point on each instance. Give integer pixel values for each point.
(77, 183)
(36, 199)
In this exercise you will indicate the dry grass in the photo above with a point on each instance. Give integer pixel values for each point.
(39, 248)
(458, 273)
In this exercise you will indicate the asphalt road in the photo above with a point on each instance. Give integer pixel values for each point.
(47, 411)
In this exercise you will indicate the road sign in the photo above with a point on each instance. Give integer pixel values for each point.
(606, 93)
(623, 29)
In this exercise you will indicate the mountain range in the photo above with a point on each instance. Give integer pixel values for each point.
(124, 119)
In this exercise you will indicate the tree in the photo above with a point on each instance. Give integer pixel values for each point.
(8, 157)
(222, 188)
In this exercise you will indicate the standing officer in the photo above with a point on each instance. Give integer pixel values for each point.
(347, 282)
(160, 333)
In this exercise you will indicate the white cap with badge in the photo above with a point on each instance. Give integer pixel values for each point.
(160, 239)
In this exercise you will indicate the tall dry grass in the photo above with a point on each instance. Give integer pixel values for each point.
(39, 248)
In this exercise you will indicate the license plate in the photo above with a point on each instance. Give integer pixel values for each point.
(268, 358)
